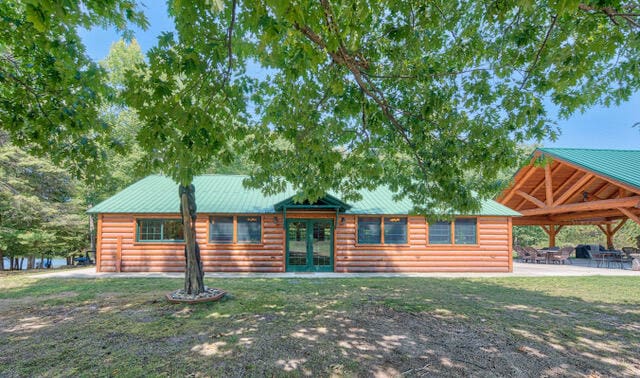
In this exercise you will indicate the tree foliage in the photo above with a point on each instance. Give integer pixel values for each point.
(39, 215)
(51, 92)
(121, 167)
(430, 98)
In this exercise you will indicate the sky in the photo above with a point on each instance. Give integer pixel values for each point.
(598, 127)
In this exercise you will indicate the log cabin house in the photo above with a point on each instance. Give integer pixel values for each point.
(242, 230)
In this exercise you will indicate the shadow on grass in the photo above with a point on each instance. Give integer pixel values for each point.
(500, 327)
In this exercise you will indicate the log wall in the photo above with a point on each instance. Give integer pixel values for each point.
(491, 254)
(119, 251)
(169, 257)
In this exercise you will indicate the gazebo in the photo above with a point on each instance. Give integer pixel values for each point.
(566, 186)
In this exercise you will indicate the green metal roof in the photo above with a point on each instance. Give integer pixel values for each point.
(226, 194)
(620, 165)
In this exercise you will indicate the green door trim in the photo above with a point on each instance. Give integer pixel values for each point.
(310, 267)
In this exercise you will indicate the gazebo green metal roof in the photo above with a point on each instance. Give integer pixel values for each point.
(620, 165)
(226, 194)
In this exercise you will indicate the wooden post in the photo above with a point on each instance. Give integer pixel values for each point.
(119, 254)
(510, 236)
(548, 185)
(552, 236)
(99, 244)
(609, 236)
(606, 230)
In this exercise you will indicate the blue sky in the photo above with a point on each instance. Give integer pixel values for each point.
(598, 127)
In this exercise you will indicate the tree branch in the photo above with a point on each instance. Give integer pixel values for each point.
(356, 65)
(26, 86)
(542, 46)
(612, 13)
(414, 77)
(229, 37)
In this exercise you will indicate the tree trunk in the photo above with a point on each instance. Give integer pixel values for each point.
(41, 261)
(1, 261)
(21, 263)
(194, 275)
(31, 262)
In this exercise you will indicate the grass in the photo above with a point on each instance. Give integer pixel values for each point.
(322, 327)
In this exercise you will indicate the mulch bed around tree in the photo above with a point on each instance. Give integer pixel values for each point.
(210, 294)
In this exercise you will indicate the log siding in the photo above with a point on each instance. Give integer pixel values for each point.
(490, 254)
(117, 241)
(136, 256)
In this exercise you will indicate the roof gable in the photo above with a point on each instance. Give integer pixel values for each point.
(328, 202)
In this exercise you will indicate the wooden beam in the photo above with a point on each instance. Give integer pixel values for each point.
(585, 206)
(630, 215)
(562, 188)
(528, 221)
(545, 228)
(602, 228)
(552, 236)
(537, 187)
(558, 228)
(531, 199)
(619, 226)
(609, 213)
(548, 185)
(574, 188)
(628, 187)
(518, 184)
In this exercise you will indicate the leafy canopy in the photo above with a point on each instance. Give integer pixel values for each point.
(431, 98)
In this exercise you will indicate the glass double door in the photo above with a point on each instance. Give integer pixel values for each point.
(309, 245)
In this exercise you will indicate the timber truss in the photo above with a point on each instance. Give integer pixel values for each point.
(552, 192)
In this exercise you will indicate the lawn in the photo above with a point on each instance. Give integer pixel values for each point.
(322, 327)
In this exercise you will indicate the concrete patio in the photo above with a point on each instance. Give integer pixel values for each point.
(579, 268)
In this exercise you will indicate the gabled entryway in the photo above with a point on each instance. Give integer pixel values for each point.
(309, 238)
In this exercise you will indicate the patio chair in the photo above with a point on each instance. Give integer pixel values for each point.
(563, 255)
(522, 254)
(615, 258)
(595, 256)
(628, 251)
(535, 255)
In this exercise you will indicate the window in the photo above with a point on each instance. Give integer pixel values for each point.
(369, 231)
(465, 229)
(160, 230)
(221, 230)
(440, 233)
(245, 230)
(387, 230)
(249, 230)
(395, 230)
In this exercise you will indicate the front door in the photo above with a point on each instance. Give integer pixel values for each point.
(309, 245)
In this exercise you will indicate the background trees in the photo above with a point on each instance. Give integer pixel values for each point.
(39, 217)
